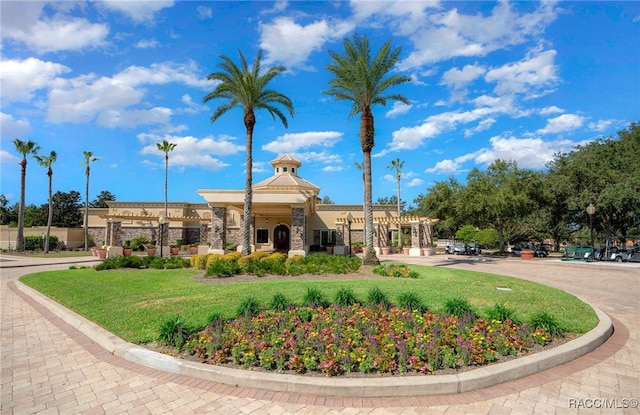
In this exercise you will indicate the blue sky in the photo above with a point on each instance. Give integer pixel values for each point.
(510, 80)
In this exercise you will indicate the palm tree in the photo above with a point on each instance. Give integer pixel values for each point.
(247, 88)
(397, 166)
(362, 80)
(88, 159)
(47, 161)
(166, 147)
(25, 148)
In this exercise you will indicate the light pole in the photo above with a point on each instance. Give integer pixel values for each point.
(161, 221)
(349, 220)
(590, 211)
(42, 234)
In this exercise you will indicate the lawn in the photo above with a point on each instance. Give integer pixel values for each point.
(133, 303)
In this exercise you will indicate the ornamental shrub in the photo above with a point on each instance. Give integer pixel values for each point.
(546, 321)
(279, 302)
(249, 307)
(222, 267)
(411, 301)
(458, 306)
(314, 298)
(345, 297)
(376, 297)
(501, 312)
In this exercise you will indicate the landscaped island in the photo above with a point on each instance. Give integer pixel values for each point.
(332, 323)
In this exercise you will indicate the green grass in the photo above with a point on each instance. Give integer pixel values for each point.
(133, 303)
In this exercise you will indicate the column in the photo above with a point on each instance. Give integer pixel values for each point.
(218, 230)
(298, 232)
(341, 230)
(416, 239)
(114, 238)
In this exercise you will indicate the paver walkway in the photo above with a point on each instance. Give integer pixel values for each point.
(47, 367)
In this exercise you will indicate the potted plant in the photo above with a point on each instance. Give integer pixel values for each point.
(330, 246)
(193, 248)
(151, 248)
(230, 246)
(386, 249)
(174, 249)
(127, 250)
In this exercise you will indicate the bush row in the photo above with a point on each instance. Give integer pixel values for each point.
(262, 263)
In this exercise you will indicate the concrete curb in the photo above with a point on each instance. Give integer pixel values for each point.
(345, 387)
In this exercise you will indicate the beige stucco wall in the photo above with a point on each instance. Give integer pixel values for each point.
(72, 237)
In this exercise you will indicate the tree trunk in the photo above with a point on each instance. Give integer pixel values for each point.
(249, 122)
(366, 140)
(399, 226)
(50, 217)
(166, 183)
(86, 211)
(20, 235)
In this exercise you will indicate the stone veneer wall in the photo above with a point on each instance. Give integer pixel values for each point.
(187, 235)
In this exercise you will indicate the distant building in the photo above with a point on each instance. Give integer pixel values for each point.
(287, 216)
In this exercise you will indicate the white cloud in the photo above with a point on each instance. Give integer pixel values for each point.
(138, 11)
(7, 158)
(291, 143)
(601, 125)
(446, 35)
(191, 151)
(532, 153)
(551, 110)
(332, 168)
(204, 12)
(564, 122)
(458, 78)
(11, 127)
(26, 22)
(291, 44)
(415, 182)
(22, 78)
(319, 157)
(404, 17)
(86, 97)
(534, 73)
(147, 44)
(398, 108)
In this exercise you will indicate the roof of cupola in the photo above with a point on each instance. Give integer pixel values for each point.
(285, 176)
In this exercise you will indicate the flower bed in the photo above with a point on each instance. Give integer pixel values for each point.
(337, 340)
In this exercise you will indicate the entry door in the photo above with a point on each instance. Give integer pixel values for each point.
(281, 238)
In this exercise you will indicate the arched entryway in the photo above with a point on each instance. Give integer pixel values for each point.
(281, 238)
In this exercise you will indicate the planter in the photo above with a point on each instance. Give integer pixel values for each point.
(393, 250)
(101, 253)
(330, 250)
(94, 252)
(127, 251)
(174, 250)
(151, 251)
(193, 250)
(405, 251)
(526, 254)
(385, 250)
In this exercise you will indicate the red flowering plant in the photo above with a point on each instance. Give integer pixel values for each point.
(344, 339)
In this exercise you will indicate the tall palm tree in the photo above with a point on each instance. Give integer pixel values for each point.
(47, 161)
(166, 147)
(397, 166)
(364, 81)
(88, 159)
(247, 88)
(25, 148)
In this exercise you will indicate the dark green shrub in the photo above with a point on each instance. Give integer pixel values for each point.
(501, 312)
(222, 267)
(108, 263)
(214, 317)
(345, 297)
(314, 298)
(249, 307)
(140, 243)
(176, 262)
(36, 243)
(547, 321)
(395, 270)
(305, 314)
(376, 297)
(279, 302)
(458, 306)
(130, 262)
(411, 301)
(174, 332)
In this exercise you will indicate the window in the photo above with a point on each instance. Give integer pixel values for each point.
(327, 237)
(284, 169)
(293, 169)
(262, 236)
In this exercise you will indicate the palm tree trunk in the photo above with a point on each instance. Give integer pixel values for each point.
(249, 122)
(166, 183)
(50, 217)
(86, 212)
(366, 140)
(20, 234)
(399, 227)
